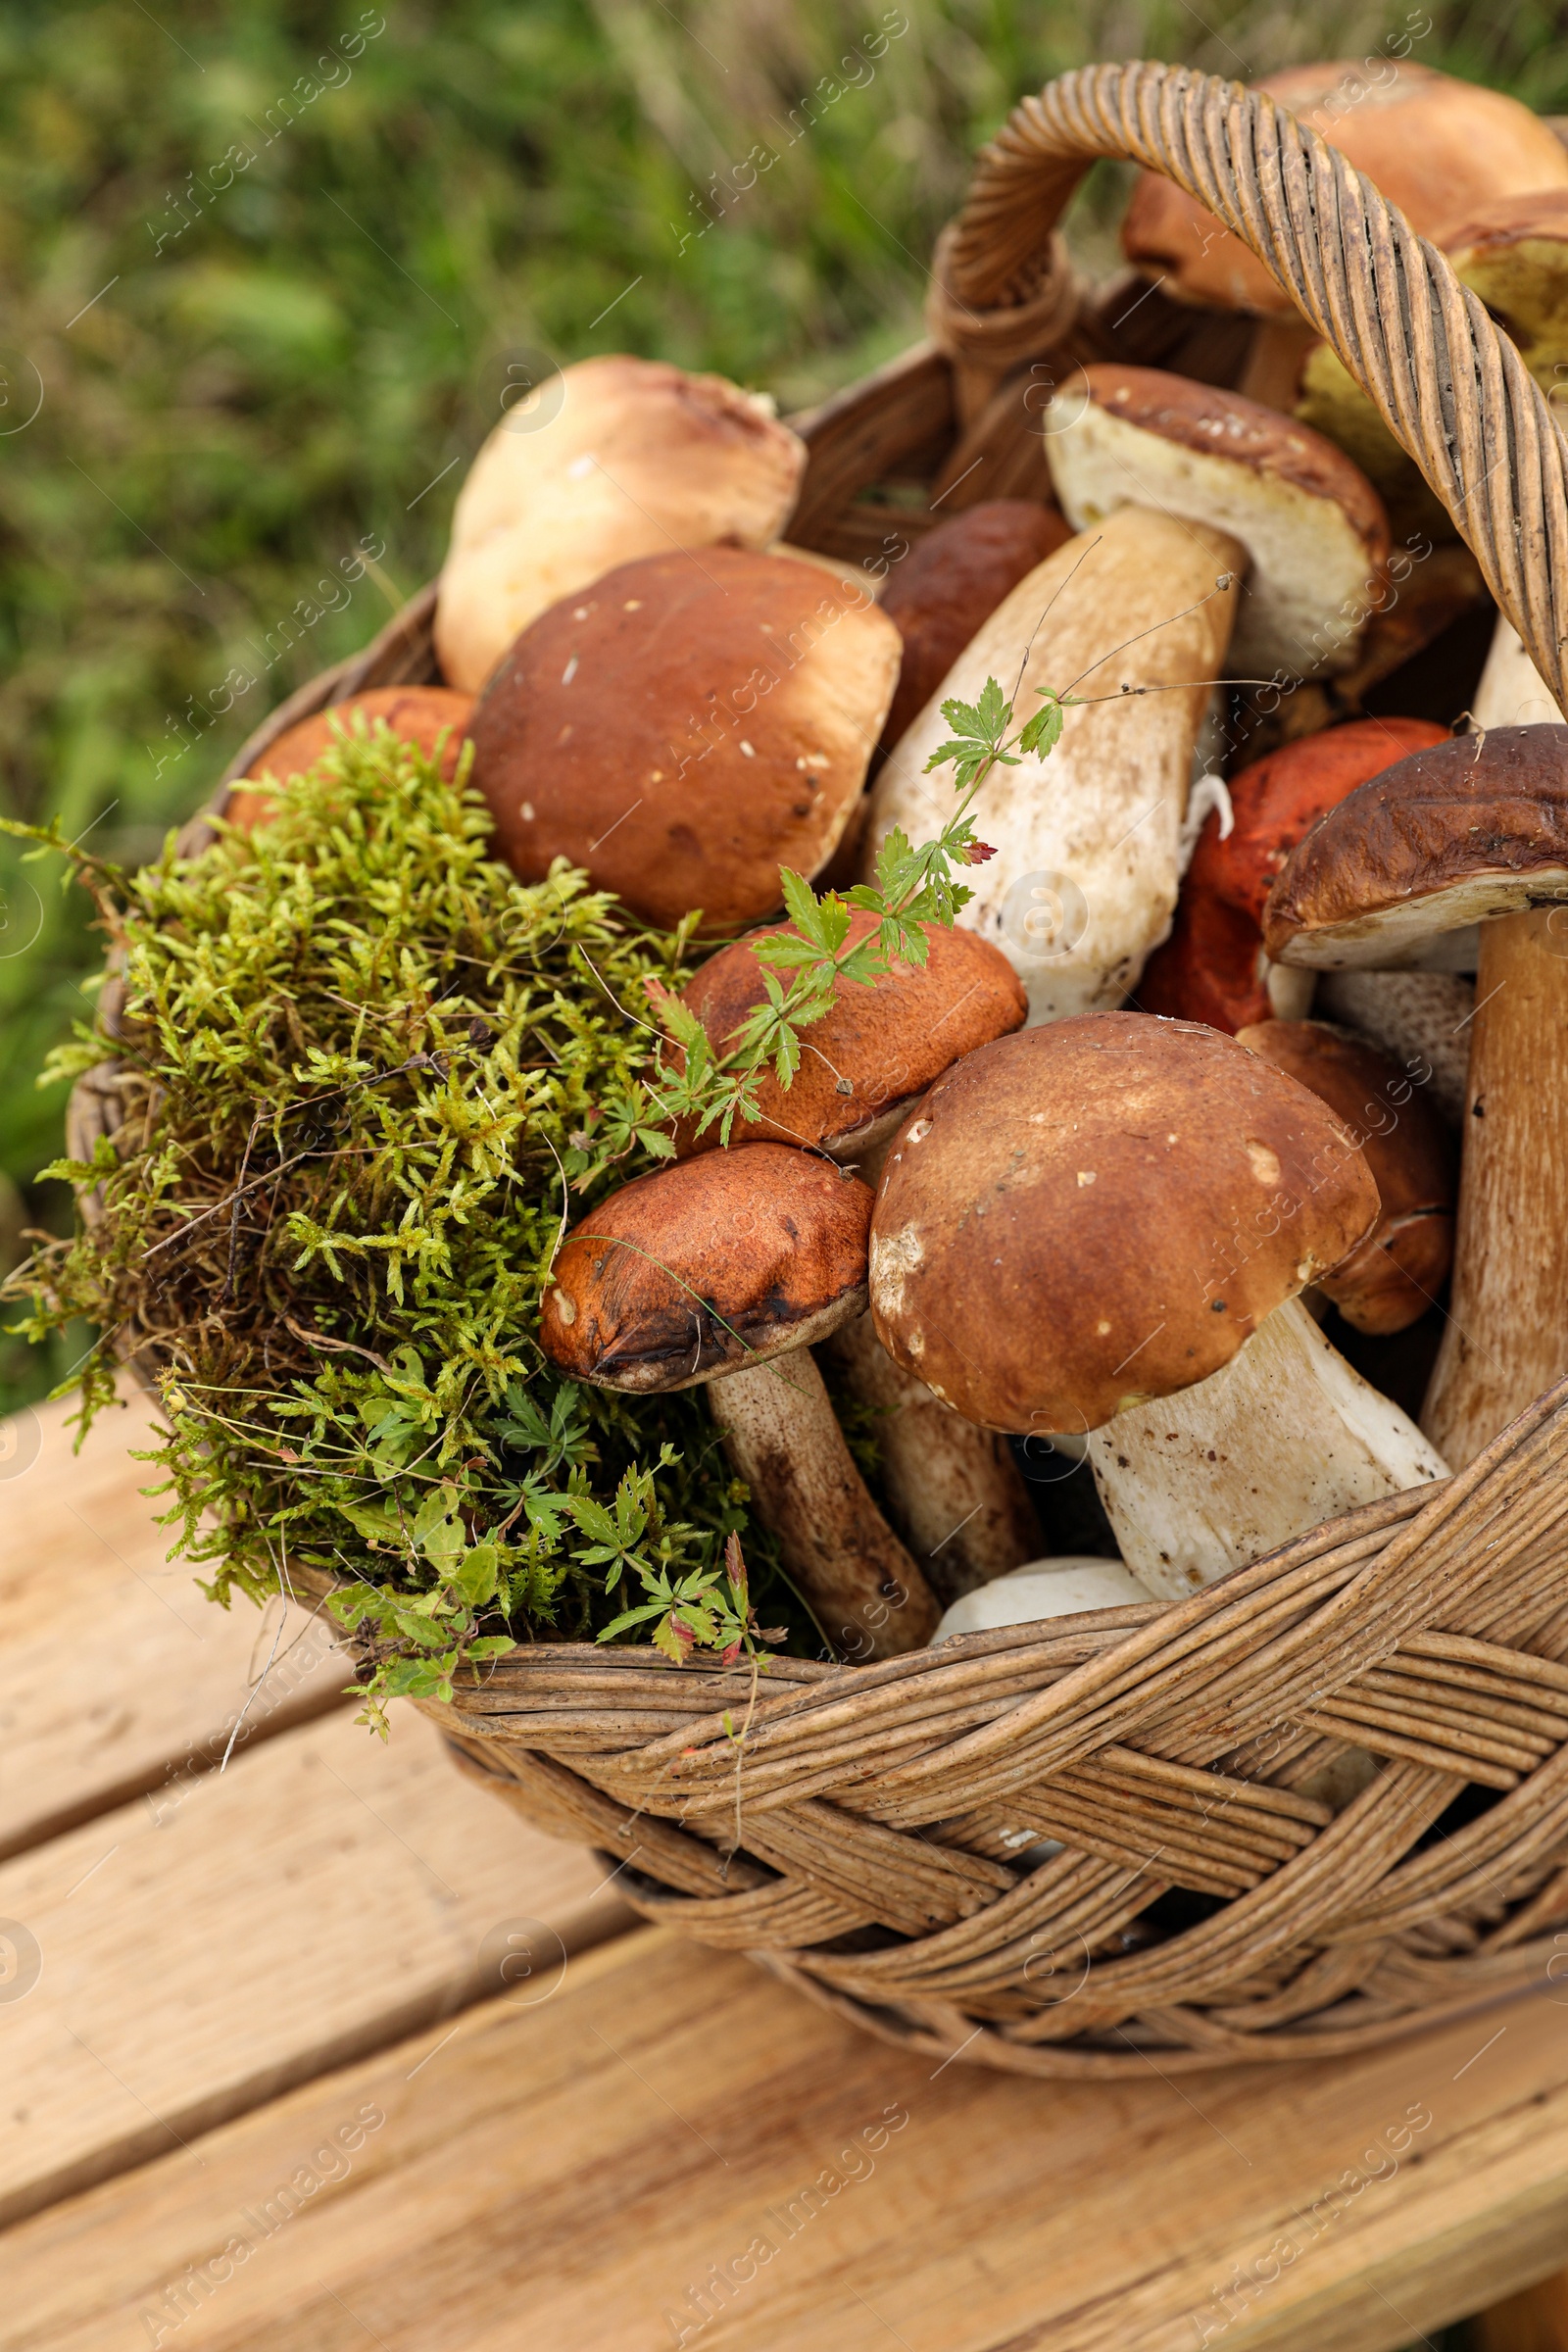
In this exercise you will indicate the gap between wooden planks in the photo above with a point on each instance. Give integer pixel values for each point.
(116, 1673)
(223, 1936)
(566, 2174)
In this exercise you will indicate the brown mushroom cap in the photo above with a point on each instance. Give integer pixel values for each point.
(875, 1051)
(418, 714)
(1394, 1276)
(1101, 1210)
(1310, 520)
(708, 1267)
(685, 727)
(638, 459)
(951, 582)
(1472, 828)
(1432, 145)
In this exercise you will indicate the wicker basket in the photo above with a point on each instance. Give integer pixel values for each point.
(874, 1835)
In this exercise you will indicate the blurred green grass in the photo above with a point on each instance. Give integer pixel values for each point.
(245, 367)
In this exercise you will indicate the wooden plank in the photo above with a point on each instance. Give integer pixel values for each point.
(570, 2174)
(116, 1675)
(180, 1960)
(1534, 2321)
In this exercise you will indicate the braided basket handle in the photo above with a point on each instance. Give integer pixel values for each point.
(1450, 388)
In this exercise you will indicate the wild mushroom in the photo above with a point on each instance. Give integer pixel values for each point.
(1475, 830)
(954, 579)
(1084, 879)
(686, 727)
(725, 1269)
(875, 1051)
(1390, 1280)
(1212, 967)
(1043, 1589)
(1431, 143)
(1421, 1020)
(431, 716)
(1310, 521)
(638, 459)
(1104, 1224)
(953, 1492)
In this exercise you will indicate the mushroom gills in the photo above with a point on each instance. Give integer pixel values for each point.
(1191, 1496)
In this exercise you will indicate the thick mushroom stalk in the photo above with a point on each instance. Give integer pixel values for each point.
(1506, 1337)
(1475, 831)
(953, 1490)
(782, 1438)
(723, 1269)
(1138, 1204)
(1191, 1491)
(1087, 862)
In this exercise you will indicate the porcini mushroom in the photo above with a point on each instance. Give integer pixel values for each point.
(873, 1053)
(684, 728)
(426, 715)
(954, 579)
(1212, 967)
(1104, 1224)
(1474, 831)
(1390, 1280)
(725, 1269)
(1040, 1590)
(1084, 878)
(638, 459)
(953, 1490)
(1310, 521)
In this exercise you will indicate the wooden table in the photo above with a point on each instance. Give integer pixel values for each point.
(324, 2049)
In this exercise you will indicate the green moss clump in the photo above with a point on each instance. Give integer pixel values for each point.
(366, 1079)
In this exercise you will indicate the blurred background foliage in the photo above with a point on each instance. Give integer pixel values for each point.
(245, 367)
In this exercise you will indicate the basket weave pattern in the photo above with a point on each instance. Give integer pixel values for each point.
(879, 1835)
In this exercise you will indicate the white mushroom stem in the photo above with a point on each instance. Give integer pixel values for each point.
(1284, 1437)
(953, 1490)
(1512, 692)
(1041, 1590)
(1422, 1020)
(1506, 1337)
(1084, 881)
(782, 1438)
